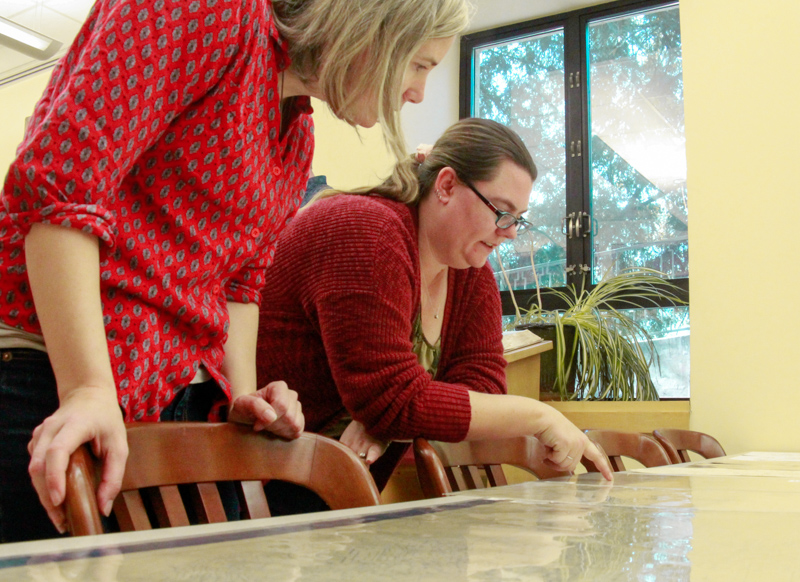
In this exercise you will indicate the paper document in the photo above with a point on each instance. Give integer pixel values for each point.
(513, 340)
(756, 464)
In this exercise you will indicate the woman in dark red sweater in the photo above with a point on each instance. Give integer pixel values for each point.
(387, 313)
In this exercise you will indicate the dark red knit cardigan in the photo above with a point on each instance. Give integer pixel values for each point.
(337, 315)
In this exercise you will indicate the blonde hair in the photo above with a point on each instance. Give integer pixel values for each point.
(328, 40)
(473, 147)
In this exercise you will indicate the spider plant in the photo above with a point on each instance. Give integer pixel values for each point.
(611, 362)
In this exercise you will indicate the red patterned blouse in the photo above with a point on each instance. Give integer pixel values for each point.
(160, 133)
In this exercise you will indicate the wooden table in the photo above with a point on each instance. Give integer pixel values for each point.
(736, 518)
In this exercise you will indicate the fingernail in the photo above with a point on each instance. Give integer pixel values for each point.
(270, 416)
(107, 508)
(61, 527)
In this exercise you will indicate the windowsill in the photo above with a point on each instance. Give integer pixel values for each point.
(627, 416)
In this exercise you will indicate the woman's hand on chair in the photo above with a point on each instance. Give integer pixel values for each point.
(365, 446)
(86, 414)
(274, 408)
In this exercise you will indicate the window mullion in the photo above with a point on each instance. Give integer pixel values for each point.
(578, 247)
(586, 131)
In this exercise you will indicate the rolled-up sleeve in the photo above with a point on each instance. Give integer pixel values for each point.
(132, 70)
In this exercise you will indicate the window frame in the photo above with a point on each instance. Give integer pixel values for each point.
(578, 173)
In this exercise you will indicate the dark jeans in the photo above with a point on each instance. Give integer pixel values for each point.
(28, 395)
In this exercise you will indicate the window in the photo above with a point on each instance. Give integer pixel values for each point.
(597, 96)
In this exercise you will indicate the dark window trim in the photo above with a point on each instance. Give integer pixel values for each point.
(510, 31)
(576, 18)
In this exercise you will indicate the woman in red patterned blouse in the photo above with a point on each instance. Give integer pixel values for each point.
(173, 141)
(386, 312)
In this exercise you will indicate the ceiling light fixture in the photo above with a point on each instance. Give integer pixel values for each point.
(27, 41)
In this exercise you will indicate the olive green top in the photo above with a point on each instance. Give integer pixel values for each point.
(427, 354)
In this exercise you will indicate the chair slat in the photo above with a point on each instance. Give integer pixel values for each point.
(456, 478)
(472, 477)
(617, 464)
(130, 512)
(255, 502)
(208, 504)
(495, 475)
(168, 507)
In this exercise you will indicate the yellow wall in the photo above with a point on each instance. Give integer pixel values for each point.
(348, 158)
(742, 132)
(16, 103)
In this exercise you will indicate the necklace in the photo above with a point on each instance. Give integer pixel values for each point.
(426, 286)
(428, 296)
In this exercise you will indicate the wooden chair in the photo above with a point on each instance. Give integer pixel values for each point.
(165, 455)
(678, 442)
(446, 467)
(616, 444)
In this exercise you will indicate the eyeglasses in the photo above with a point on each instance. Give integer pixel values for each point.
(504, 219)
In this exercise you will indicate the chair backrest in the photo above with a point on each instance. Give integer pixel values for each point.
(617, 444)
(678, 442)
(446, 467)
(165, 455)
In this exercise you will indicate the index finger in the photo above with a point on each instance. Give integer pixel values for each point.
(600, 460)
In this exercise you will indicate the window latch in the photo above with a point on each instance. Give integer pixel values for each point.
(568, 224)
(578, 224)
(575, 150)
(577, 269)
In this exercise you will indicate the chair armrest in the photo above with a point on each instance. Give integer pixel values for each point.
(430, 470)
(80, 503)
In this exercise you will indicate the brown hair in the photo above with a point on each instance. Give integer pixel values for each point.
(473, 147)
